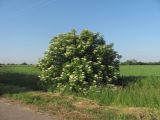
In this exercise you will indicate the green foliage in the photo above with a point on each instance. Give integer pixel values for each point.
(135, 62)
(130, 62)
(24, 63)
(80, 61)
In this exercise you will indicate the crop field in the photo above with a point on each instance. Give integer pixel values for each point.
(138, 87)
(22, 75)
(140, 70)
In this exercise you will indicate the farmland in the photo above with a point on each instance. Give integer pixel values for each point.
(137, 92)
(140, 70)
(26, 75)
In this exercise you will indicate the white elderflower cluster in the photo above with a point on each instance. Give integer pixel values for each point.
(81, 61)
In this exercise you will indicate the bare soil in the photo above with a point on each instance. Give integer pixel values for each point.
(9, 111)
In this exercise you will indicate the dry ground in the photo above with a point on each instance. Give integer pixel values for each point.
(10, 111)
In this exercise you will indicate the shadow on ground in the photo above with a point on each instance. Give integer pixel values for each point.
(11, 89)
(22, 80)
(127, 80)
(16, 82)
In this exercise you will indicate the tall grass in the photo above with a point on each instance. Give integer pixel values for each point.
(142, 93)
(139, 86)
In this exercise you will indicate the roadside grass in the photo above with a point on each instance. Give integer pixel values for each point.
(143, 93)
(136, 97)
(63, 106)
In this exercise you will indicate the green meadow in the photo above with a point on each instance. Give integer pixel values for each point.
(140, 70)
(21, 75)
(136, 92)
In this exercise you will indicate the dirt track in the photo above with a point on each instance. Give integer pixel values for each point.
(10, 111)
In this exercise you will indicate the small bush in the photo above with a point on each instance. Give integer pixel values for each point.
(80, 61)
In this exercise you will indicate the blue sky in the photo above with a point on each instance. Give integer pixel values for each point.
(27, 26)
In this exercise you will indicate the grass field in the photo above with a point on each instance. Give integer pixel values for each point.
(137, 98)
(140, 70)
(22, 75)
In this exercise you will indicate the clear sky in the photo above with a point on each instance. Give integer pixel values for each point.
(27, 26)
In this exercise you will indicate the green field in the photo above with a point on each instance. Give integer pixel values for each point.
(21, 75)
(137, 88)
(140, 70)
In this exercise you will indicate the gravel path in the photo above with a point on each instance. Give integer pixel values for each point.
(10, 111)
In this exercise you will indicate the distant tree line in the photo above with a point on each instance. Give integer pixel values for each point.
(135, 62)
(23, 63)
